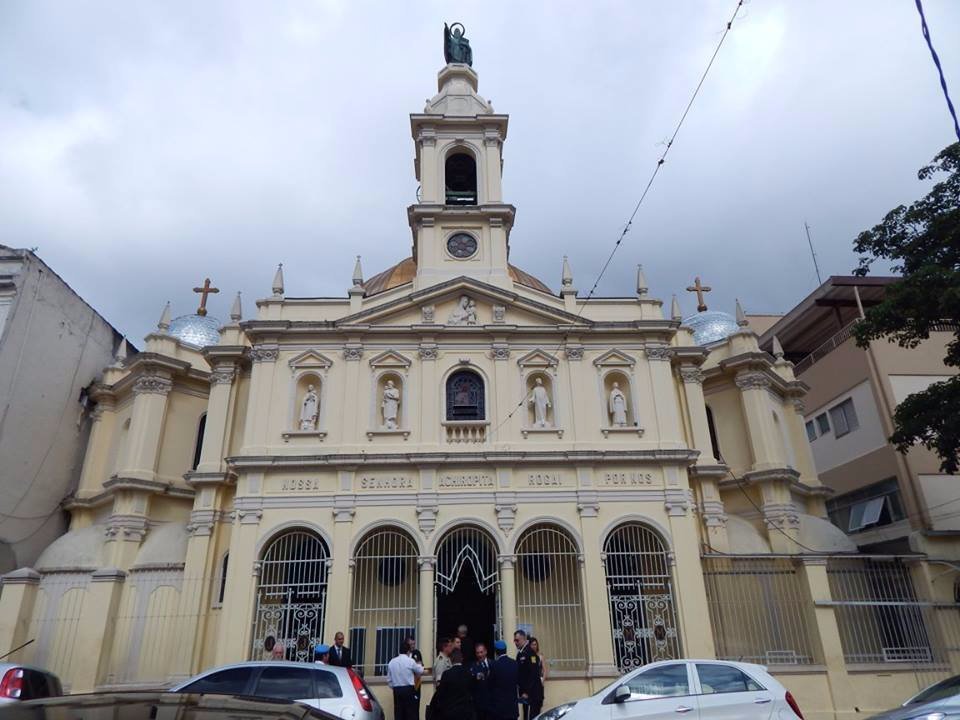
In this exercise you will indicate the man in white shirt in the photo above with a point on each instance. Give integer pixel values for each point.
(402, 673)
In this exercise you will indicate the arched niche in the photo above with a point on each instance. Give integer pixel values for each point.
(619, 381)
(550, 423)
(390, 395)
(307, 392)
(460, 177)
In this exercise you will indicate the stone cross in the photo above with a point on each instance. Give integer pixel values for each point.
(204, 291)
(699, 290)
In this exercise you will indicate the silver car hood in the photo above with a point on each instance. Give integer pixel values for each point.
(948, 705)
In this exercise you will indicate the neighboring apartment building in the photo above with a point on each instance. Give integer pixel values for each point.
(886, 501)
(52, 346)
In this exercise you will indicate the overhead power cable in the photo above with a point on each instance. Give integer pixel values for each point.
(643, 196)
(936, 61)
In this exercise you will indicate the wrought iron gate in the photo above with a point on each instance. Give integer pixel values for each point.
(291, 596)
(640, 592)
(469, 553)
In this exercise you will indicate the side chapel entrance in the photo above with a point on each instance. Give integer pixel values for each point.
(467, 586)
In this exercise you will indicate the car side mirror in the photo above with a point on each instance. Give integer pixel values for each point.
(622, 694)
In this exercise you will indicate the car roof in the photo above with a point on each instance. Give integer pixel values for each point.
(276, 663)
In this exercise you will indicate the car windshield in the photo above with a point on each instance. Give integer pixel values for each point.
(943, 689)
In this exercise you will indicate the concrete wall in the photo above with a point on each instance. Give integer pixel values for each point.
(52, 344)
(830, 451)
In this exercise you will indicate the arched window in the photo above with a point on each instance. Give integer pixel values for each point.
(460, 172)
(712, 428)
(291, 595)
(467, 584)
(386, 584)
(550, 595)
(222, 580)
(640, 593)
(198, 448)
(465, 396)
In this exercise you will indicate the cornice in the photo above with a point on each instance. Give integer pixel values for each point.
(708, 471)
(436, 459)
(789, 475)
(157, 487)
(205, 479)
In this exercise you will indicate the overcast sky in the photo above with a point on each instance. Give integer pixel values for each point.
(146, 145)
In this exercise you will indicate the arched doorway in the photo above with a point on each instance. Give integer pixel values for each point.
(291, 595)
(467, 584)
(640, 594)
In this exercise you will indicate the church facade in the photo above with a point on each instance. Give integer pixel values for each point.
(450, 443)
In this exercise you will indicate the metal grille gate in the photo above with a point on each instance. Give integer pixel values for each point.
(291, 594)
(640, 594)
(468, 556)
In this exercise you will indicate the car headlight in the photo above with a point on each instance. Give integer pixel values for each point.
(560, 710)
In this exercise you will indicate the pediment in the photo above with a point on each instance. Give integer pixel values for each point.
(390, 359)
(310, 359)
(538, 358)
(615, 358)
(489, 306)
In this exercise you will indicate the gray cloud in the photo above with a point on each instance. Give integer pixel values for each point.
(147, 145)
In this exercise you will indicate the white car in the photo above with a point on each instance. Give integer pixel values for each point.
(336, 690)
(706, 689)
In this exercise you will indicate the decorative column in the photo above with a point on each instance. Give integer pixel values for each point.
(601, 662)
(425, 641)
(337, 610)
(351, 431)
(96, 626)
(826, 634)
(756, 409)
(504, 389)
(95, 469)
(218, 415)
(264, 358)
(692, 379)
(508, 596)
(18, 594)
(243, 577)
(430, 427)
(146, 426)
(664, 396)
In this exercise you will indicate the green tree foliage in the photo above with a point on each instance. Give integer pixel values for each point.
(922, 242)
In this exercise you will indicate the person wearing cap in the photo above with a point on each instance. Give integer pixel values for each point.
(502, 685)
(528, 671)
(321, 654)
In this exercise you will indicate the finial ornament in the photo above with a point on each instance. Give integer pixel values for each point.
(121, 354)
(777, 348)
(164, 323)
(642, 286)
(278, 282)
(699, 290)
(741, 315)
(357, 273)
(567, 277)
(675, 313)
(456, 47)
(235, 312)
(204, 290)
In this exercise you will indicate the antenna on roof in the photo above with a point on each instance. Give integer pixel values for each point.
(816, 267)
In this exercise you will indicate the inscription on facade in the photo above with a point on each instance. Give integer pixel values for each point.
(386, 482)
(627, 479)
(476, 480)
(544, 479)
(300, 485)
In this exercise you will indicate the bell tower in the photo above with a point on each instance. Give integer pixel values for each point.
(460, 226)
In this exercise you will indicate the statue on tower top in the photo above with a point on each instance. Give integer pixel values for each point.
(456, 47)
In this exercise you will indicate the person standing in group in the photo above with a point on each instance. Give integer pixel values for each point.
(539, 675)
(480, 671)
(402, 672)
(502, 685)
(526, 671)
(466, 644)
(453, 699)
(418, 680)
(339, 653)
(442, 663)
(321, 654)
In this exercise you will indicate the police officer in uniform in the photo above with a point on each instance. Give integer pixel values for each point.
(528, 671)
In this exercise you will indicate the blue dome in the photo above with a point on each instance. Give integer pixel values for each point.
(196, 330)
(711, 326)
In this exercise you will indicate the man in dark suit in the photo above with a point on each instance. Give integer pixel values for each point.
(527, 671)
(453, 699)
(502, 684)
(339, 653)
(480, 672)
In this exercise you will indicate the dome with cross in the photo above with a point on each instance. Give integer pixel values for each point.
(709, 326)
(196, 330)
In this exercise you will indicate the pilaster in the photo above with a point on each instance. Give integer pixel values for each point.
(667, 413)
(508, 596)
(219, 410)
(95, 470)
(264, 359)
(429, 407)
(18, 594)
(340, 574)
(243, 572)
(95, 628)
(601, 663)
(754, 390)
(425, 641)
(692, 379)
(146, 426)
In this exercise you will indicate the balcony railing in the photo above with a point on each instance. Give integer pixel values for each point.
(466, 431)
(838, 338)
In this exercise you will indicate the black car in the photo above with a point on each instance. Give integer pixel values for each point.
(159, 706)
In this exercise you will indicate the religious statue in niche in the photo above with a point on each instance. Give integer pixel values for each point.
(309, 409)
(617, 406)
(465, 313)
(540, 399)
(390, 405)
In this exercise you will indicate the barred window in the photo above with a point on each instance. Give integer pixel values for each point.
(385, 592)
(550, 595)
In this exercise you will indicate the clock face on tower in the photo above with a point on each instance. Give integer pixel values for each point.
(461, 245)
